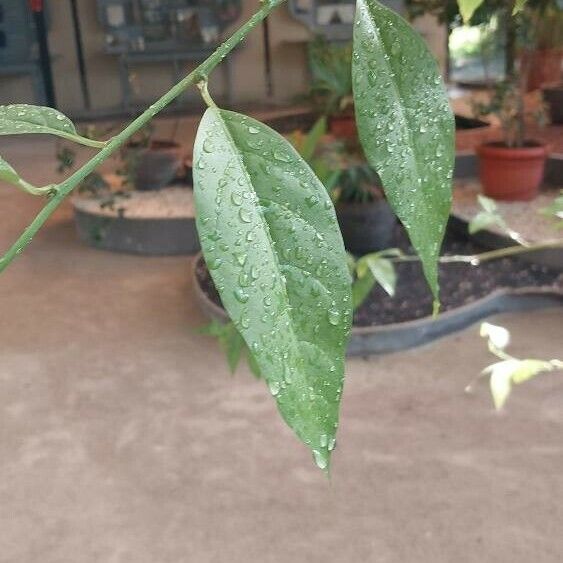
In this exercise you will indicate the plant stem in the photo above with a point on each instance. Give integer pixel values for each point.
(476, 259)
(199, 74)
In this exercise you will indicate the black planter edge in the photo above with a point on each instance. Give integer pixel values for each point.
(136, 235)
(366, 341)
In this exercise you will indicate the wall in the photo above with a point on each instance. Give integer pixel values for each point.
(288, 51)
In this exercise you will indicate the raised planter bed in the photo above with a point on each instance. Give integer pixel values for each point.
(384, 324)
(156, 223)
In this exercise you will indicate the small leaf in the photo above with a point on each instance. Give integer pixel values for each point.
(487, 203)
(497, 335)
(518, 6)
(481, 221)
(384, 273)
(7, 173)
(361, 288)
(467, 8)
(312, 139)
(382, 270)
(527, 369)
(271, 241)
(501, 380)
(19, 119)
(405, 125)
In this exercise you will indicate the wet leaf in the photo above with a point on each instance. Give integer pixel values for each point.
(18, 119)
(383, 271)
(405, 125)
(271, 241)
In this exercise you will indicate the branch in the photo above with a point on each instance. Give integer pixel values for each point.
(199, 74)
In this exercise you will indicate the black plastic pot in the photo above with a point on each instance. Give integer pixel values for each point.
(157, 165)
(366, 227)
(554, 99)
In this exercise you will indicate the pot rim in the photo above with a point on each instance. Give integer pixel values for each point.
(493, 149)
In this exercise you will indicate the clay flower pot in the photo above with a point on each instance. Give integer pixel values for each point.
(343, 126)
(511, 174)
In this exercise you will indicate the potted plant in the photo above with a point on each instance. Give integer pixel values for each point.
(512, 169)
(366, 221)
(331, 89)
(149, 163)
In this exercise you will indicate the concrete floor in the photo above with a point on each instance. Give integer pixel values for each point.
(123, 439)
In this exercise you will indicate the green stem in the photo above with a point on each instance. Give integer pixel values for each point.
(34, 190)
(476, 259)
(199, 74)
(203, 88)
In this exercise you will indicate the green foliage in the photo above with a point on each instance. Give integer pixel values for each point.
(507, 104)
(486, 218)
(17, 119)
(509, 371)
(467, 8)
(373, 268)
(10, 176)
(405, 125)
(232, 344)
(555, 211)
(331, 86)
(271, 242)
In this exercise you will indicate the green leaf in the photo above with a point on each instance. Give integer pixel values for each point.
(513, 371)
(7, 173)
(383, 271)
(527, 369)
(467, 8)
(487, 203)
(501, 380)
(19, 119)
(405, 125)
(312, 139)
(271, 241)
(481, 221)
(518, 6)
(361, 288)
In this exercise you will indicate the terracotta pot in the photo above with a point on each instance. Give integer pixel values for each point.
(343, 126)
(544, 67)
(511, 174)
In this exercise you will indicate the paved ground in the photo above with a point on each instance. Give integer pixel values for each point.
(124, 440)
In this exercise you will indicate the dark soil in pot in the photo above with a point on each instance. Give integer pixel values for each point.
(460, 284)
(157, 165)
(366, 227)
(554, 99)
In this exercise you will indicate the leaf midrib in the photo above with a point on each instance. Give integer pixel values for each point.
(238, 155)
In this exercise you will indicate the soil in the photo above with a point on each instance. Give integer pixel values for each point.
(460, 283)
